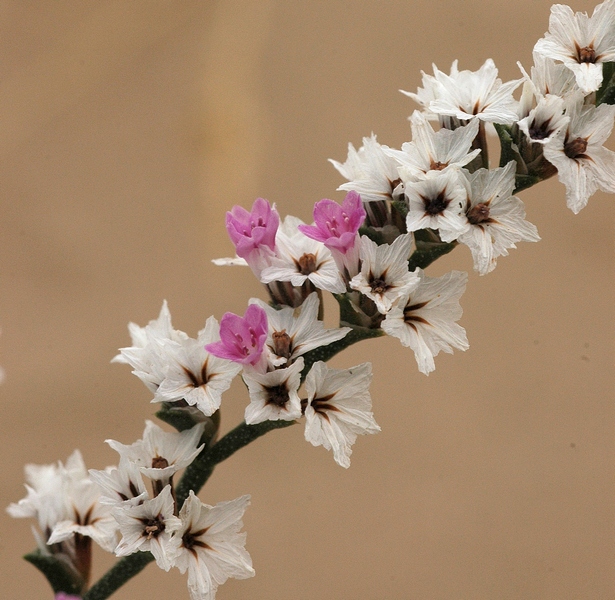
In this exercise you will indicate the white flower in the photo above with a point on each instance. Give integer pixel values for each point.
(65, 501)
(370, 171)
(120, 484)
(581, 42)
(473, 94)
(210, 546)
(496, 217)
(425, 318)
(384, 275)
(160, 327)
(432, 150)
(86, 516)
(148, 526)
(545, 120)
(300, 258)
(338, 408)
(195, 375)
(273, 395)
(437, 202)
(160, 454)
(583, 164)
(295, 331)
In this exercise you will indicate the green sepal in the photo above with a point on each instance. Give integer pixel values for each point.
(522, 182)
(60, 576)
(429, 248)
(176, 417)
(372, 234)
(606, 93)
(401, 208)
(508, 149)
(123, 570)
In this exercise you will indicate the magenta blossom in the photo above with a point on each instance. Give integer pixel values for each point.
(242, 339)
(334, 225)
(63, 596)
(337, 228)
(251, 231)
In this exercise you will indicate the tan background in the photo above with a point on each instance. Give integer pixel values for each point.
(129, 128)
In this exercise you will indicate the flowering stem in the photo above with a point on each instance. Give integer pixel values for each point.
(118, 575)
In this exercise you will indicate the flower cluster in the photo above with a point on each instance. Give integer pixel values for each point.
(404, 208)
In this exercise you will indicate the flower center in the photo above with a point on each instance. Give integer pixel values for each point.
(479, 214)
(307, 264)
(575, 148)
(436, 206)
(281, 343)
(437, 165)
(158, 462)
(153, 527)
(278, 395)
(587, 54)
(540, 131)
(379, 286)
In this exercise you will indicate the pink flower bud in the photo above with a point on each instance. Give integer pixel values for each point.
(242, 339)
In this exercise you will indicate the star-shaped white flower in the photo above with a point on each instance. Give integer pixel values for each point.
(120, 484)
(370, 171)
(295, 331)
(194, 375)
(473, 94)
(432, 150)
(425, 319)
(581, 42)
(300, 258)
(583, 164)
(160, 454)
(437, 202)
(496, 217)
(338, 408)
(148, 527)
(210, 546)
(545, 120)
(274, 395)
(384, 275)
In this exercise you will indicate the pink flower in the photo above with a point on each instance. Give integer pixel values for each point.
(337, 228)
(242, 339)
(254, 230)
(63, 596)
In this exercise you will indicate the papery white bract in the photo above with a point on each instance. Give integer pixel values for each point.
(338, 408)
(425, 319)
(210, 546)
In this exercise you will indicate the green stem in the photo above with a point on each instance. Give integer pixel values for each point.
(118, 575)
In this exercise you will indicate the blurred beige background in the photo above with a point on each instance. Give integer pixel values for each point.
(128, 128)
